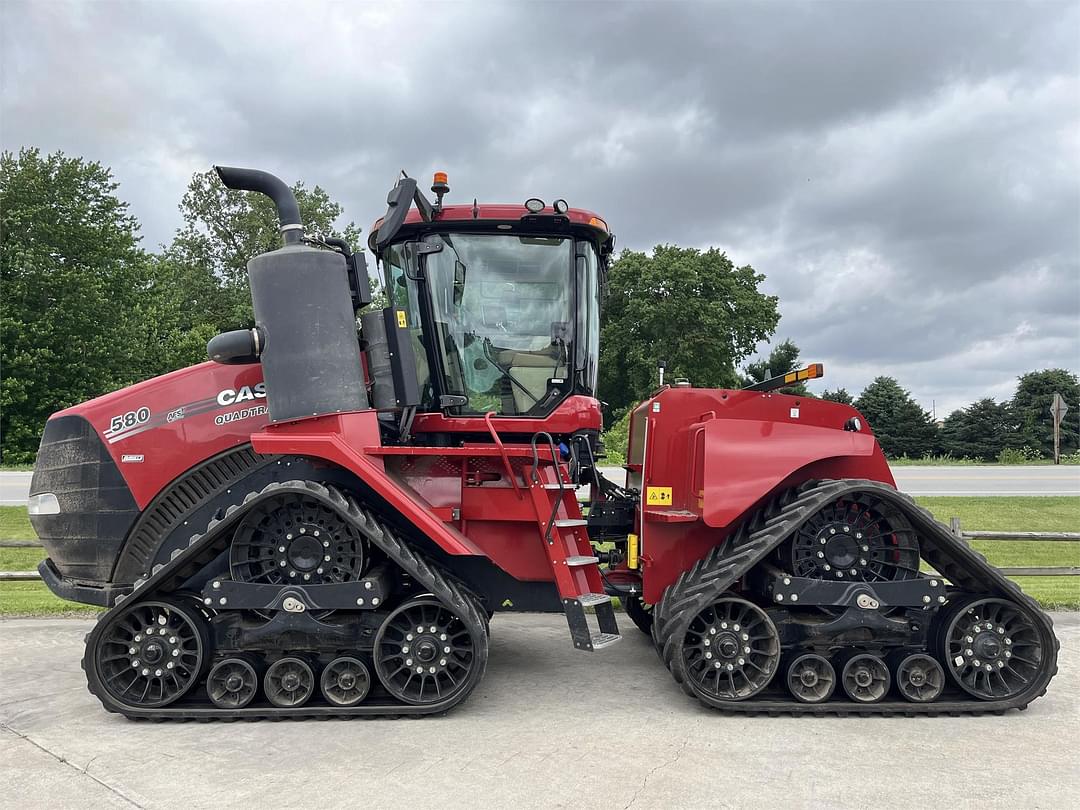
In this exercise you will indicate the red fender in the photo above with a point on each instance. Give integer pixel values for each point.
(746, 458)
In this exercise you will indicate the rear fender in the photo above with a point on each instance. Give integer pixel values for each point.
(746, 460)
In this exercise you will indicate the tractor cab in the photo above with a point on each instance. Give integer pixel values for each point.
(501, 302)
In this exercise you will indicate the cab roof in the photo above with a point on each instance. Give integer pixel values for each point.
(487, 215)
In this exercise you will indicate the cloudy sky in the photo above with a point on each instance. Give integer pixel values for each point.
(907, 175)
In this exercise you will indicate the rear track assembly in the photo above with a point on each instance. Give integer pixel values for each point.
(1000, 647)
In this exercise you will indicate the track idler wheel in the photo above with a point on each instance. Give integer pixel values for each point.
(919, 678)
(866, 678)
(730, 652)
(424, 653)
(811, 678)
(232, 683)
(345, 681)
(289, 682)
(152, 653)
(992, 647)
(293, 540)
(856, 538)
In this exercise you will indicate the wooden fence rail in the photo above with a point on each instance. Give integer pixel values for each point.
(954, 527)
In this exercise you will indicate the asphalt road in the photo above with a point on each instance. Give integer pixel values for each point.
(1048, 480)
(15, 486)
(548, 727)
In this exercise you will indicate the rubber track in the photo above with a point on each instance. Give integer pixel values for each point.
(203, 548)
(711, 577)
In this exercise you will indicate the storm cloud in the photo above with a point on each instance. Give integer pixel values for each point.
(906, 175)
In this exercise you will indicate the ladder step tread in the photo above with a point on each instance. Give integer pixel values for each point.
(569, 524)
(601, 640)
(592, 599)
(557, 486)
(581, 560)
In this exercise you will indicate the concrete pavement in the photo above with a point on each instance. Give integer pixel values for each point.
(548, 727)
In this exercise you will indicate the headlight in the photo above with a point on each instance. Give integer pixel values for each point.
(44, 503)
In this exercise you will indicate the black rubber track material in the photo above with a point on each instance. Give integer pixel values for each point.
(202, 548)
(714, 575)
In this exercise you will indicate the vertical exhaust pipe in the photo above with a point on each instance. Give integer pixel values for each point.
(288, 212)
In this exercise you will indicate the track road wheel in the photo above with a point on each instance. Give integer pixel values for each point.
(920, 678)
(424, 653)
(152, 653)
(866, 679)
(992, 647)
(730, 651)
(232, 683)
(811, 678)
(289, 682)
(640, 613)
(345, 681)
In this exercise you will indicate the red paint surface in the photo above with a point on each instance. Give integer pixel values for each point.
(172, 448)
(723, 453)
(498, 213)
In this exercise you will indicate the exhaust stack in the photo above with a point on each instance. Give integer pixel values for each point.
(305, 324)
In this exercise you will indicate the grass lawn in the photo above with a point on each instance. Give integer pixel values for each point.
(1041, 514)
(34, 599)
(15, 524)
(1037, 514)
(1049, 514)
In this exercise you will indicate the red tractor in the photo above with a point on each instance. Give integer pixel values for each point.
(323, 520)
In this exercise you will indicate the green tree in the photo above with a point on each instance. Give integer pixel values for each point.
(1031, 407)
(783, 358)
(75, 321)
(901, 426)
(979, 431)
(694, 309)
(840, 395)
(223, 229)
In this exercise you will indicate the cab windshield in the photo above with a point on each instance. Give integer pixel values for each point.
(502, 307)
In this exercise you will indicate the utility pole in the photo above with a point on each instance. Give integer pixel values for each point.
(1057, 409)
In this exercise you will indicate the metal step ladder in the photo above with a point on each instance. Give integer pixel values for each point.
(566, 541)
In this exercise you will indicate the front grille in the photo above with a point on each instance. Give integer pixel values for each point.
(96, 507)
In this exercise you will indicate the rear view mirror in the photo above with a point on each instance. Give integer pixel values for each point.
(398, 202)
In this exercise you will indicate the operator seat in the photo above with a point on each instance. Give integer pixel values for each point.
(532, 369)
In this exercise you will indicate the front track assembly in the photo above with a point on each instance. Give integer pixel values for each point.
(399, 638)
(815, 606)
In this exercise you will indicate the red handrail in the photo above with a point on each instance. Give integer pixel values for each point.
(489, 421)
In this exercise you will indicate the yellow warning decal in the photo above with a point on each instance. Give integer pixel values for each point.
(631, 551)
(401, 322)
(658, 496)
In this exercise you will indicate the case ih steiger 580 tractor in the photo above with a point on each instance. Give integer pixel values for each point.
(322, 520)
